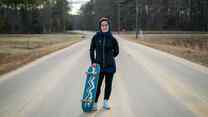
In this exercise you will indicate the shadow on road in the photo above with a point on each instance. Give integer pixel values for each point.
(98, 113)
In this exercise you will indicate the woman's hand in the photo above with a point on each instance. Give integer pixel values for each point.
(94, 64)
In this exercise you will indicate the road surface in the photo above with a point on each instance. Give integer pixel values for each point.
(148, 83)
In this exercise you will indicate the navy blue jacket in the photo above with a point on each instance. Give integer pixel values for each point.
(103, 50)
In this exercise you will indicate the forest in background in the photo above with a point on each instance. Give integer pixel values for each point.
(34, 16)
(177, 15)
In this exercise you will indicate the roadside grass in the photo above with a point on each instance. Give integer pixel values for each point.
(18, 50)
(193, 47)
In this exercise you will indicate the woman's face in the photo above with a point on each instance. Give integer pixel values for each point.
(104, 26)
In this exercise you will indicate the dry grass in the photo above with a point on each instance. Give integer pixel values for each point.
(193, 47)
(15, 51)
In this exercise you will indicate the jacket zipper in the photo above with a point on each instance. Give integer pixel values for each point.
(104, 51)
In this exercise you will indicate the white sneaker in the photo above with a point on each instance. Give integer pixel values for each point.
(106, 104)
(95, 107)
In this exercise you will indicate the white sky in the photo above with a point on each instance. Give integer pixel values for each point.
(76, 5)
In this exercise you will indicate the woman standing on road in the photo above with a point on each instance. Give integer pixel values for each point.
(103, 49)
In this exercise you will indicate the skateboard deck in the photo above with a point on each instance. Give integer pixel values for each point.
(90, 88)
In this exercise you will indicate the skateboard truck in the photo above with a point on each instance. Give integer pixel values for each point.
(90, 73)
(87, 101)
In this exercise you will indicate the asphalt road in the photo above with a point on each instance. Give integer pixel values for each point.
(148, 83)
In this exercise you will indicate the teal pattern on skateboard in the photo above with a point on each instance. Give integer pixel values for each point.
(90, 88)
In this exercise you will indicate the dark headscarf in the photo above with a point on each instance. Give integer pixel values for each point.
(99, 26)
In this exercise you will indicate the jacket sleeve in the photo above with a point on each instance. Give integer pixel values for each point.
(115, 47)
(92, 50)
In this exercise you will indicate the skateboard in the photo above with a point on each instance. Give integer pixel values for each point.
(90, 88)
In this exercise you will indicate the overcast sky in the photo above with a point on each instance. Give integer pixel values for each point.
(76, 5)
